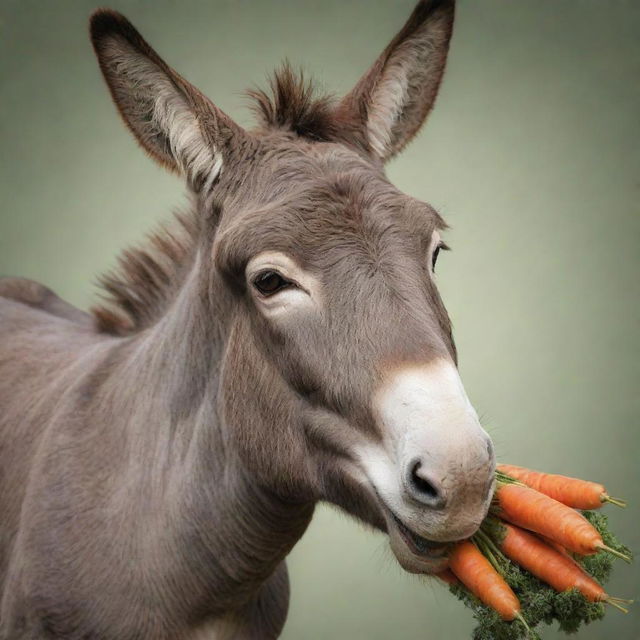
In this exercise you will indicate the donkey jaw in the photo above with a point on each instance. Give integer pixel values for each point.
(420, 546)
(415, 553)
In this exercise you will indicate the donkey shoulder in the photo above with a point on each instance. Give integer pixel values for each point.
(37, 296)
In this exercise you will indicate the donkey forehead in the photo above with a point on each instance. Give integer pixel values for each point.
(314, 191)
(331, 170)
(338, 218)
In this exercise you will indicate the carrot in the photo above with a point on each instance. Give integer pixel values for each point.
(576, 493)
(556, 569)
(538, 512)
(477, 574)
(558, 547)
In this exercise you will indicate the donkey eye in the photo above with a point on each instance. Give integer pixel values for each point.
(436, 252)
(434, 257)
(270, 282)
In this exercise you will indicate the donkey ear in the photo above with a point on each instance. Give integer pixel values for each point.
(391, 101)
(175, 123)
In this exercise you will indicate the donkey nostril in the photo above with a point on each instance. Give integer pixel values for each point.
(424, 488)
(421, 484)
(489, 448)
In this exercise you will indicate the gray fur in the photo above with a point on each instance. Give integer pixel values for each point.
(159, 459)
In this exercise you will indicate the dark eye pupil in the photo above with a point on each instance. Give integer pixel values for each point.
(434, 259)
(269, 282)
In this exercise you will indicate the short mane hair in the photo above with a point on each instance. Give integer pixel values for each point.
(294, 104)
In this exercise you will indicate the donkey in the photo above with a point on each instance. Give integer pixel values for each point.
(279, 344)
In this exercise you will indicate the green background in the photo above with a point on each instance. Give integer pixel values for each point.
(532, 155)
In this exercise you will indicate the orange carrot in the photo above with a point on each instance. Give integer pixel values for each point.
(557, 546)
(537, 512)
(554, 568)
(576, 493)
(477, 574)
(557, 569)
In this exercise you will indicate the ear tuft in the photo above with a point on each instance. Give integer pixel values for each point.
(294, 104)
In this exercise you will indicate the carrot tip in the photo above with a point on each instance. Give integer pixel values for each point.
(523, 622)
(611, 601)
(615, 553)
(619, 503)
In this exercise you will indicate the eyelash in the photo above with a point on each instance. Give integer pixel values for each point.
(434, 257)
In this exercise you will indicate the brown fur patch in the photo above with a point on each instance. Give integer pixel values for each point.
(294, 104)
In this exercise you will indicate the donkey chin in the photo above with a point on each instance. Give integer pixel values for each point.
(427, 552)
(434, 471)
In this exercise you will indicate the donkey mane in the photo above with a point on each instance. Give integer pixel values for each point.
(146, 277)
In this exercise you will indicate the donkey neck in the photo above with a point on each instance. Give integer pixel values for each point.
(228, 533)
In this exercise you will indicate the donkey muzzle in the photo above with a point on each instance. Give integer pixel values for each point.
(436, 473)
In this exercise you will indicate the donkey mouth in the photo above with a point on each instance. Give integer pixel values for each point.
(417, 544)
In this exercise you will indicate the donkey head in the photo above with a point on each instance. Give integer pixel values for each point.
(338, 377)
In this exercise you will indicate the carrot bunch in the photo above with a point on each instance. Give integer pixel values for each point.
(536, 558)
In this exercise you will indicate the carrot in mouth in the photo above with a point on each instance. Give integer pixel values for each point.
(476, 573)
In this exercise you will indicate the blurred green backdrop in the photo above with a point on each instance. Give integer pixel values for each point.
(533, 156)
